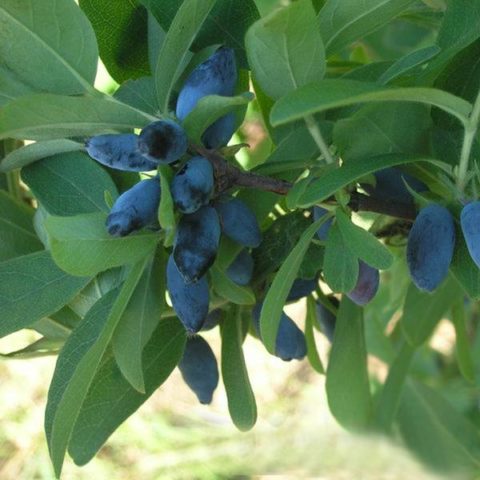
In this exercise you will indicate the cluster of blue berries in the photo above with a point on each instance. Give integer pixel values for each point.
(205, 215)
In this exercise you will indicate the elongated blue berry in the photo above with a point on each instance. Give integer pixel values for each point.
(215, 76)
(163, 141)
(367, 284)
(196, 243)
(322, 232)
(390, 185)
(326, 318)
(192, 187)
(199, 369)
(430, 247)
(241, 269)
(290, 343)
(134, 209)
(119, 152)
(190, 302)
(239, 222)
(301, 288)
(470, 222)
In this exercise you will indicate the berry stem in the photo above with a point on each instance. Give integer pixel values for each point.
(317, 136)
(469, 136)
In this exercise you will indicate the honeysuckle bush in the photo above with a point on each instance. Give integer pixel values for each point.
(370, 113)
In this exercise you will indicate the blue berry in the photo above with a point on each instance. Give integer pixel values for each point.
(290, 343)
(199, 369)
(301, 288)
(390, 186)
(367, 284)
(120, 152)
(196, 243)
(241, 269)
(430, 247)
(190, 302)
(322, 232)
(193, 185)
(239, 222)
(134, 209)
(163, 141)
(215, 76)
(470, 222)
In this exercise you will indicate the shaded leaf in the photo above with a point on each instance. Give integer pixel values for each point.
(33, 287)
(347, 384)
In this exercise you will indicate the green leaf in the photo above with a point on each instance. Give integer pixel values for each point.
(240, 295)
(44, 116)
(208, 110)
(139, 94)
(81, 244)
(422, 310)
(44, 51)
(333, 93)
(58, 325)
(312, 352)
(282, 283)
(139, 321)
(462, 346)
(340, 264)
(69, 184)
(389, 398)
(344, 21)
(33, 287)
(436, 432)
(278, 241)
(363, 244)
(240, 397)
(464, 269)
(333, 180)
(17, 235)
(312, 261)
(226, 23)
(347, 385)
(122, 36)
(408, 62)
(78, 363)
(40, 348)
(166, 212)
(171, 59)
(377, 129)
(36, 151)
(156, 36)
(111, 399)
(458, 30)
(285, 49)
(11, 86)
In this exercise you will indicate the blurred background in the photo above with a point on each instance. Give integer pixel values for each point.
(173, 437)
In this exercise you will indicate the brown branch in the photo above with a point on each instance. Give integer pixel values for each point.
(228, 176)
